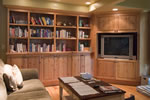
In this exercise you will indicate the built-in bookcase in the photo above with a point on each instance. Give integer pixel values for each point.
(38, 32)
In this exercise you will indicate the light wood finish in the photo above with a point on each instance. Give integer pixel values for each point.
(81, 63)
(127, 22)
(126, 70)
(118, 22)
(106, 69)
(107, 23)
(115, 70)
(73, 18)
(53, 65)
(54, 92)
(21, 62)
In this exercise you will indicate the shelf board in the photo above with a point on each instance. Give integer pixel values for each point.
(18, 37)
(14, 24)
(42, 25)
(84, 27)
(66, 38)
(84, 38)
(43, 38)
(66, 26)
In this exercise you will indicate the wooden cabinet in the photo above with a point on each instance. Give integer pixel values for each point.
(127, 23)
(52, 66)
(118, 70)
(118, 23)
(106, 69)
(107, 23)
(47, 68)
(20, 61)
(81, 63)
(126, 70)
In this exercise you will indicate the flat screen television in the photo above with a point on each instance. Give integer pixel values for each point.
(117, 46)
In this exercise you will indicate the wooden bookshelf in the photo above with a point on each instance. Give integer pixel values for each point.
(43, 27)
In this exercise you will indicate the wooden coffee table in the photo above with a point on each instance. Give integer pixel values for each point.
(100, 96)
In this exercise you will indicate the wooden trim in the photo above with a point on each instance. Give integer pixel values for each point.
(122, 82)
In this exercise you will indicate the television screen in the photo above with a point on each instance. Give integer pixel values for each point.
(116, 46)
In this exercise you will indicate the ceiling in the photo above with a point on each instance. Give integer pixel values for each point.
(75, 2)
(80, 6)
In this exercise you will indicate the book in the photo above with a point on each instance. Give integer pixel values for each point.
(44, 20)
(109, 89)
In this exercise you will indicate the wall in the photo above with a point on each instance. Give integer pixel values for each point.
(144, 42)
(3, 31)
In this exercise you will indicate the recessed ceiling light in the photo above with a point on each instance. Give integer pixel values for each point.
(88, 3)
(115, 9)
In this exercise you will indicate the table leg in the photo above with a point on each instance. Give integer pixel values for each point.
(60, 92)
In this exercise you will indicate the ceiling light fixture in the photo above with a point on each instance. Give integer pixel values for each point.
(115, 9)
(88, 3)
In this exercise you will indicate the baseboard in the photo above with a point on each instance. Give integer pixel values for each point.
(121, 82)
(50, 83)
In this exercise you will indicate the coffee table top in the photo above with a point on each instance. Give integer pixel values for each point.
(91, 96)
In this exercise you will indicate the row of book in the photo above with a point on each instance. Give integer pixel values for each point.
(62, 47)
(34, 47)
(41, 33)
(13, 19)
(83, 23)
(18, 32)
(18, 47)
(41, 21)
(82, 34)
(63, 34)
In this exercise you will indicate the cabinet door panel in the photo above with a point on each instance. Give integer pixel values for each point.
(126, 70)
(62, 66)
(127, 23)
(88, 64)
(34, 62)
(107, 23)
(48, 64)
(82, 64)
(106, 69)
(75, 65)
(20, 61)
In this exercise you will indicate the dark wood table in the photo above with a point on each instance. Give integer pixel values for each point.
(100, 96)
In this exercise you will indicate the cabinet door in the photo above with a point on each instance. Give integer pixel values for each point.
(34, 62)
(76, 65)
(88, 64)
(20, 61)
(47, 68)
(128, 23)
(62, 66)
(126, 70)
(107, 23)
(106, 69)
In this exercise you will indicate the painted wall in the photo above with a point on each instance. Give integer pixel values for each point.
(3, 31)
(144, 42)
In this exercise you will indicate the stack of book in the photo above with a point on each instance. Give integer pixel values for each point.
(61, 47)
(82, 34)
(41, 21)
(17, 21)
(109, 89)
(63, 34)
(19, 47)
(41, 48)
(41, 33)
(18, 32)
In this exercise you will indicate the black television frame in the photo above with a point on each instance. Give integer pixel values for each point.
(130, 56)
